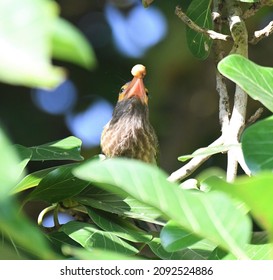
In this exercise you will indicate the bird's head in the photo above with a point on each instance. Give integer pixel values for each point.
(135, 89)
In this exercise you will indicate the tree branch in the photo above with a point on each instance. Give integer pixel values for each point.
(263, 33)
(193, 164)
(191, 24)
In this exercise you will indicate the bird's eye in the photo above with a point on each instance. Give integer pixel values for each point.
(122, 90)
(124, 87)
(147, 92)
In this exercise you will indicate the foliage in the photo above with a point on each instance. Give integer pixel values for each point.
(122, 208)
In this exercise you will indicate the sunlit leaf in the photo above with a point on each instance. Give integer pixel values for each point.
(25, 43)
(257, 145)
(65, 149)
(256, 192)
(214, 215)
(70, 45)
(199, 12)
(256, 80)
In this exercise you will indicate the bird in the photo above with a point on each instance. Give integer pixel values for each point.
(129, 133)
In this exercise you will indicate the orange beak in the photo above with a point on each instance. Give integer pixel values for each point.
(137, 89)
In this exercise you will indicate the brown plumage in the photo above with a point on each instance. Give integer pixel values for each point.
(129, 132)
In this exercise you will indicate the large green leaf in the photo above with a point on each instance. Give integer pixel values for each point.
(89, 237)
(25, 46)
(31, 180)
(257, 145)
(256, 192)
(118, 226)
(209, 215)
(256, 80)
(69, 44)
(199, 44)
(58, 185)
(66, 149)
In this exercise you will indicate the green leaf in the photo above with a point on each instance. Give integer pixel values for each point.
(31, 180)
(117, 204)
(256, 80)
(257, 145)
(58, 185)
(199, 12)
(89, 237)
(256, 192)
(214, 215)
(118, 226)
(174, 238)
(10, 166)
(70, 45)
(207, 151)
(25, 47)
(65, 149)
(186, 254)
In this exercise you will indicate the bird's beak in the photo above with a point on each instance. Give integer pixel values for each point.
(137, 89)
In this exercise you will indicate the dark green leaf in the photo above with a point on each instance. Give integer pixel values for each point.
(214, 215)
(89, 237)
(31, 180)
(256, 80)
(199, 12)
(257, 145)
(118, 226)
(58, 185)
(118, 204)
(174, 238)
(65, 149)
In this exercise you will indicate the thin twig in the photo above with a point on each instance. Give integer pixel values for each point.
(255, 7)
(191, 24)
(254, 117)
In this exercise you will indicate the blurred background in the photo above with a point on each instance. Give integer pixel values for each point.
(183, 100)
